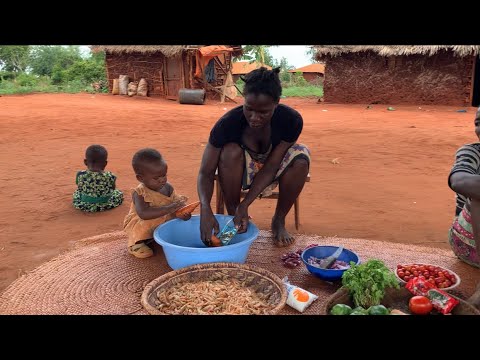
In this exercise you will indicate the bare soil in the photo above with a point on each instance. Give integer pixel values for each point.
(388, 182)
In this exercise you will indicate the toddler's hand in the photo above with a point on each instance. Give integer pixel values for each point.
(185, 217)
(183, 198)
(179, 204)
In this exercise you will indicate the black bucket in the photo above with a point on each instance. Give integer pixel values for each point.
(192, 96)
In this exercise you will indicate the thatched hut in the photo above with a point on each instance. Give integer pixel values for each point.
(374, 74)
(167, 69)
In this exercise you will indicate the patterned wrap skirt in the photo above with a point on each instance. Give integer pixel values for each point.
(461, 238)
(254, 162)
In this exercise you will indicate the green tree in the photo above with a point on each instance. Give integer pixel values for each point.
(14, 58)
(285, 76)
(47, 58)
(87, 70)
(258, 53)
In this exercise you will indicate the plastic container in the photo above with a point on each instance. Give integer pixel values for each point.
(324, 251)
(182, 245)
(191, 96)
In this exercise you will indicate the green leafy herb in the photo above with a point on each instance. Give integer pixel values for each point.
(367, 282)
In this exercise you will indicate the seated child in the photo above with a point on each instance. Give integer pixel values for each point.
(154, 202)
(96, 187)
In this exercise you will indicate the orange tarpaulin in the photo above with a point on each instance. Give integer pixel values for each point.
(205, 54)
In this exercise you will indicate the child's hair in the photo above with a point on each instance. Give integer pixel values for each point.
(96, 154)
(263, 81)
(147, 155)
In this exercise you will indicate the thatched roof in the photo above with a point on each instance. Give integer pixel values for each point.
(167, 50)
(389, 50)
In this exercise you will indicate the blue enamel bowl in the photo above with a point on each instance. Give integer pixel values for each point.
(323, 251)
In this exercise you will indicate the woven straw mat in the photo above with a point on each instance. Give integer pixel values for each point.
(98, 276)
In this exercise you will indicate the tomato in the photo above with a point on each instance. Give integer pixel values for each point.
(401, 274)
(420, 305)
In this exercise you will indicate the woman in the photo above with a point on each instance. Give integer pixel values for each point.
(253, 146)
(464, 179)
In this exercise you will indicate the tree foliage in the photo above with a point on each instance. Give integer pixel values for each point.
(14, 58)
(47, 59)
(258, 53)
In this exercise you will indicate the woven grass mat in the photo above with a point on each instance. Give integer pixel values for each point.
(98, 276)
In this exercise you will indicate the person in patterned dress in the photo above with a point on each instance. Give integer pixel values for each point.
(464, 179)
(96, 187)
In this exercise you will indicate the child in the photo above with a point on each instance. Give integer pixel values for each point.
(154, 202)
(96, 187)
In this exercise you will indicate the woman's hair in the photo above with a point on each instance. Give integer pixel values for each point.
(96, 154)
(143, 156)
(263, 81)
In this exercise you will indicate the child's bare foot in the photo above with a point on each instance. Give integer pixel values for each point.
(140, 250)
(281, 237)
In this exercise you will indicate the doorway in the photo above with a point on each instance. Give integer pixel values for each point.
(173, 76)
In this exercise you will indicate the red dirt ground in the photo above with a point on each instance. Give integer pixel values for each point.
(390, 183)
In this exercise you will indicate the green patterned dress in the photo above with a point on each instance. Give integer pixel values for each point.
(96, 191)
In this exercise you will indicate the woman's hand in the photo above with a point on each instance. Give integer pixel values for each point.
(208, 222)
(241, 218)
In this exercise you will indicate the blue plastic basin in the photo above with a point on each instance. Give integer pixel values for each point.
(182, 245)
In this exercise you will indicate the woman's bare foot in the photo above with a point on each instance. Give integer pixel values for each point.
(281, 237)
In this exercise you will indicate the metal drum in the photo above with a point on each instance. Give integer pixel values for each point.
(192, 96)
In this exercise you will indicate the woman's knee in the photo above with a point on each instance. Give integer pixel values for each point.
(300, 166)
(231, 152)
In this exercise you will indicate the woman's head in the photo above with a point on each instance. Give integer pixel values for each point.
(262, 93)
(96, 158)
(150, 168)
(477, 123)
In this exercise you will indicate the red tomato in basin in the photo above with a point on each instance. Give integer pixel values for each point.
(420, 305)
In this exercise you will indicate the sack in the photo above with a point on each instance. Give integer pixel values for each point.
(123, 84)
(132, 88)
(115, 87)
(142, 88)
